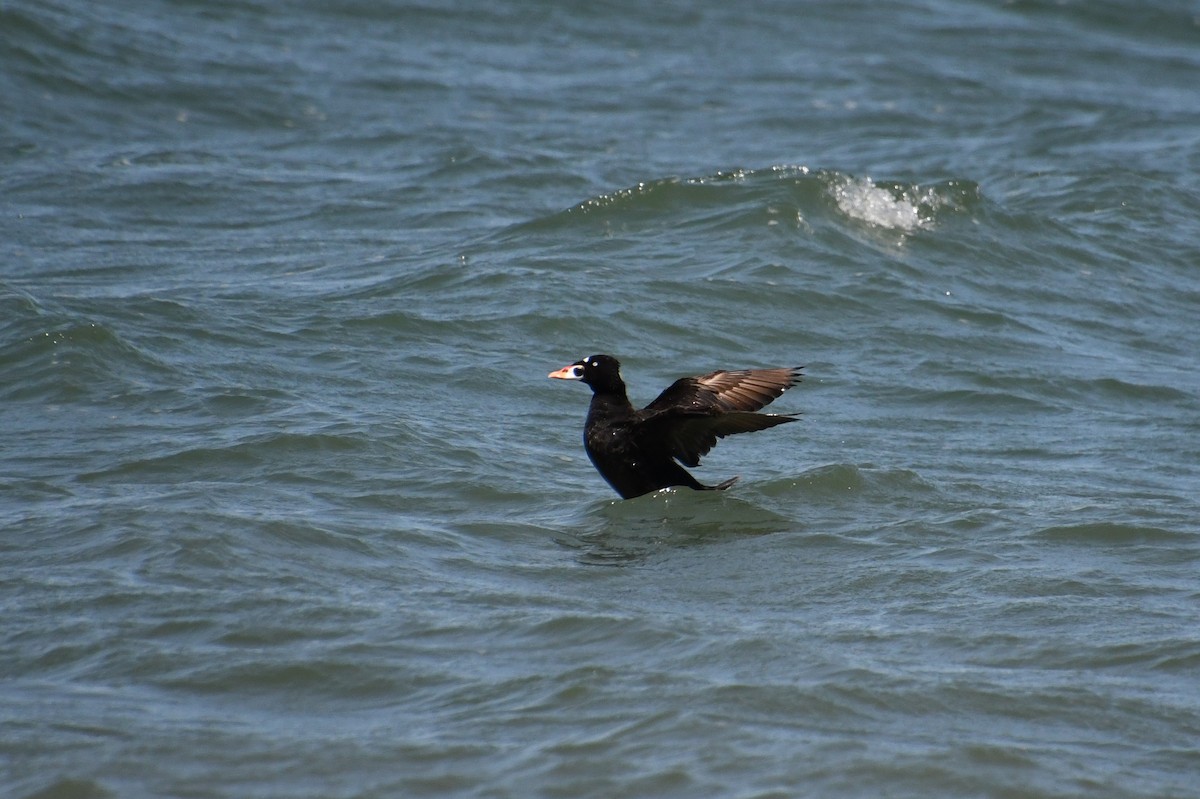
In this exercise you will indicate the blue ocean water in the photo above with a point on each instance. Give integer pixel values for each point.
(289, 507)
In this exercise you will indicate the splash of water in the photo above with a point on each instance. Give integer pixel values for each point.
(862, 199)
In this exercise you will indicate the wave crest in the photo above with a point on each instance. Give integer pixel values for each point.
(778, 194)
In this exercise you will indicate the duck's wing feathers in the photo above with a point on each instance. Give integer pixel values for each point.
(688, 436)
(737, 390)
(689, 417)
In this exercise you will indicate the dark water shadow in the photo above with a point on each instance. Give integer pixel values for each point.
(632, 532)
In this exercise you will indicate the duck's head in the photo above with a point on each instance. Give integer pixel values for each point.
(601, 372)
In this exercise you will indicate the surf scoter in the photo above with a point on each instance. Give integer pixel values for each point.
(636, 451)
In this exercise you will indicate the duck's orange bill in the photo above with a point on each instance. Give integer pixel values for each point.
(565, 373)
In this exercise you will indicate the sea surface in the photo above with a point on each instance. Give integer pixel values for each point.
(288, 507)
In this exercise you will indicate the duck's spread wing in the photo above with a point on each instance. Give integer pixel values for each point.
(689, 417)
(724, 391)
(689, 436)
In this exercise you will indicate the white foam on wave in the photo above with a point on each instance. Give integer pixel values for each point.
(861, 199)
